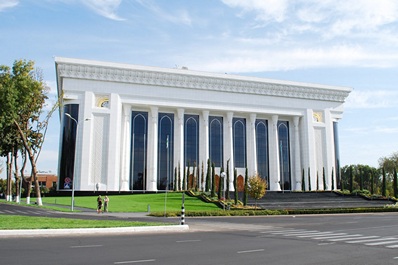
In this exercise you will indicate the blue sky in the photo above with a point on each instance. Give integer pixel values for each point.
(349, 43)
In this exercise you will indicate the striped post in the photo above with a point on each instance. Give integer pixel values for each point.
(182, 214)
(183, 209)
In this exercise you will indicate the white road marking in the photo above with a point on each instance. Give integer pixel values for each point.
(134, 261)
(382, 243)
(250, 251)
(393, 246)
(87, 246)
(371, 240)
(188, 241)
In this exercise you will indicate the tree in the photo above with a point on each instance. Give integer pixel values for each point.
(236, 185)
(22, 99)
(208, 175)
(213, 180)
(227, 183)
(245, 188)
(257, 187)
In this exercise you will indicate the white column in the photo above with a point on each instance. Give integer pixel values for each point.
(204, 142)
(229, 149)
(152, 156)
(274, 156)
(125, 152)
(179, 141)
(297, 163)
(330, 156)
(252, 146)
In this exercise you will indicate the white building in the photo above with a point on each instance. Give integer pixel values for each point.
(135, 126)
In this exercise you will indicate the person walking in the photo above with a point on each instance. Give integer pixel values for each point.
(99, 204)
(106, 202)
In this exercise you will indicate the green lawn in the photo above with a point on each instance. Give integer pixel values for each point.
(137, 202)
(11, 222)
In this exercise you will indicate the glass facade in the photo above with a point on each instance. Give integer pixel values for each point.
(337, 154)
(191, 139)
(69, 134)
(239, 141)
(165, 151)
(139, 128)
(216, 147)
(284, 154)
(262, 149)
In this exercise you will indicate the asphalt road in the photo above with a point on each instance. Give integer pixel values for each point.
(312, 239)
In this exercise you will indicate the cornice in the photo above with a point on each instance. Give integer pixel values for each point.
(196, 80)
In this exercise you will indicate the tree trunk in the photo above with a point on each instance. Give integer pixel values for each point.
(9, 178)
(17, 179)
(33, 164)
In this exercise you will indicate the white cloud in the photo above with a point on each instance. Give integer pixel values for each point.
(266, 10)
(180, 16)
(106, 8)
(379, 99)
(4, 4)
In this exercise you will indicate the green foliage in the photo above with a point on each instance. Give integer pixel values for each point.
(257, 187)
(208, 174)
(213, 180)
(245, 192)
(236, 185)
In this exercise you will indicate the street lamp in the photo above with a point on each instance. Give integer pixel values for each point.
(223, 187)
(74, 165)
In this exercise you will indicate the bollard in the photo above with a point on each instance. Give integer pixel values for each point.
(182, 214)
(149, 208)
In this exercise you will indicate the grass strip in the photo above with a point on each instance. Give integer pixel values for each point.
(14, 222)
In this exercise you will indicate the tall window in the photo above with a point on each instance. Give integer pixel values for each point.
(216, 140)
(139, 126)
(262, 149)
(284, 154)
(165, 151)
(69, 133)
(239, 141)
(337, 154)
(191, 139)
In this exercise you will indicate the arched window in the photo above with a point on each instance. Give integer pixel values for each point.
(191, 139)
(216, 140)
(262, 149)
(239, 142)
(165, 151)
(284, 154)
(138, 150)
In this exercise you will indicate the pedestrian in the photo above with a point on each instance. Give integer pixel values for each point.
(106, 201)
(99, 204)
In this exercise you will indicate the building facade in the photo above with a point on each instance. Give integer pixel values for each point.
(132, 128)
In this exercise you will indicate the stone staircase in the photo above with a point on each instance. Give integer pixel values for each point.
(315, 200)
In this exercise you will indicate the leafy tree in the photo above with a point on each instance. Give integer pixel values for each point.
(257, 187)
(22, 99)
(208, 175)
(213, 180)
(236, 185)
(227, 183)
(384, 184)
(245, 188)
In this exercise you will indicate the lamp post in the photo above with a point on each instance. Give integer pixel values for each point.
(74, 165)
(223, 187)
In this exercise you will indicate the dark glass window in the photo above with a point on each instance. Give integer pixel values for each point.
(165, 151)
(239, 141)
(337, 154)
(69, 132)
(191, 139)
(284, 154)
(216, 140)
(262, 149)
(139, 126)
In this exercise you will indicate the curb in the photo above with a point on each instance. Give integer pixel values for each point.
(91, 231)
